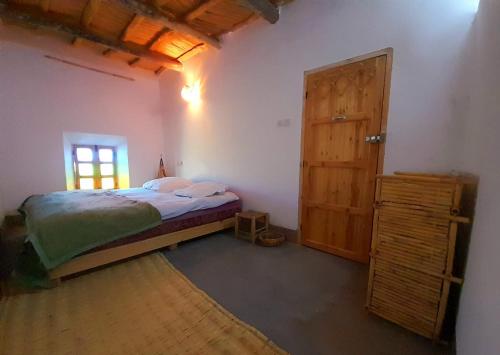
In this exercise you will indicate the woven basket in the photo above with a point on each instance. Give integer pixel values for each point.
(271, 239)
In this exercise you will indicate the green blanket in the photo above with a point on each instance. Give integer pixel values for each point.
(62, 225)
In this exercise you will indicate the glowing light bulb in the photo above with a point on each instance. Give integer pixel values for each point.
(186, 93)
(192, 93)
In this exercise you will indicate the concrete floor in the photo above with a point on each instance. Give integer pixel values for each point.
(306, 301)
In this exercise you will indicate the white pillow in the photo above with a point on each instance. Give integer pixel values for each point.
(167, 184)
(202, 189)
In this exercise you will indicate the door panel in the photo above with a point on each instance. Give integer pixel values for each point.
(343, 105)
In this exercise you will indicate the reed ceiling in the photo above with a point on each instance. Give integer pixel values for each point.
(151, 34)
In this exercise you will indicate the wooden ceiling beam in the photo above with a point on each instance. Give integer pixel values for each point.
(245, 22)
(160, 6)
(89, 11)
(50, 25)
(146, 10)
(197, 48)
(200, 10)
(76, 41)
(45, 5)
(265, 9)
(159, 70)
(135, 21)
(134, 62)
(156, 37)
(107, 52)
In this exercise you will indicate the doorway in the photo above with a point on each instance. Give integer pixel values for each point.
(343, 139)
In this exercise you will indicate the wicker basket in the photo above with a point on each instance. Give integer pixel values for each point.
(271, 239)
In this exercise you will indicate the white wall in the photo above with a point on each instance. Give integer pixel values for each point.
(478, 327)
(257, 79)
(40, 99)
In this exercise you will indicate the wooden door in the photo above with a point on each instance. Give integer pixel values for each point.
(343, 105)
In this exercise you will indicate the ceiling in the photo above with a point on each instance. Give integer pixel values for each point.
(150, 34)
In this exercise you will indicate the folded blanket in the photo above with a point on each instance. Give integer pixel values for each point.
(62, 225)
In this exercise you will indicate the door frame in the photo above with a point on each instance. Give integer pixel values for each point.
(388, 52)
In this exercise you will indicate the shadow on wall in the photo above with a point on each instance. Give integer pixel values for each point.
(477, 109)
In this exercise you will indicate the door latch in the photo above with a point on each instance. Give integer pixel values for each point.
(375, 139)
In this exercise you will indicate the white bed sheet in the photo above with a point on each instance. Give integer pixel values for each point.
(169, 205)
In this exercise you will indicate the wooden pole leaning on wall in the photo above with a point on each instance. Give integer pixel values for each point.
(373, 244)
(68, 62)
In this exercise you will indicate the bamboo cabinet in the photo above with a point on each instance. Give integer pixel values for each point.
(413, 247)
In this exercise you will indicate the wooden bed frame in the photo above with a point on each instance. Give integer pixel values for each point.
(106, 256)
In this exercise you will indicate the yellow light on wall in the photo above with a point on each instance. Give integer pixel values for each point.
(192, 93)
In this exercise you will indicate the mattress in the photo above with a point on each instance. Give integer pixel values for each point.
(169, 205)
(184, 221)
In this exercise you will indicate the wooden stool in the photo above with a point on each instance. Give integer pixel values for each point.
(251, 223)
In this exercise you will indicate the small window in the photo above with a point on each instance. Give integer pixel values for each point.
(94, 167)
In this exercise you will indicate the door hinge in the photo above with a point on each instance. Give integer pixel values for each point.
(307, 94)
(375, 139)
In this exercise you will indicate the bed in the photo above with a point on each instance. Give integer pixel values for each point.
(167, 220)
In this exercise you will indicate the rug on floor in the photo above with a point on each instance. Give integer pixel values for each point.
(143, 306)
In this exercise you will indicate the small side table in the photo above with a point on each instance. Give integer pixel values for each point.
(251, 223)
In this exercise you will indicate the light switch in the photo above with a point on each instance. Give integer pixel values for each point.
(284, 122)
